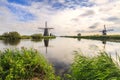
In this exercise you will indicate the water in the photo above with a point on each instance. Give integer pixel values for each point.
(60, 51)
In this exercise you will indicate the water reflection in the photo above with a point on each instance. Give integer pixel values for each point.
(78, 39)
(46, 44)
(11, 42)
(104, 43)
(62, 54)
(36, 40)
(45, 41)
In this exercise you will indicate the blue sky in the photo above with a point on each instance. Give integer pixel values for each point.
(66, 16)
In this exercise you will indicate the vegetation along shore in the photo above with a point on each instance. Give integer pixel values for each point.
(30, 64)
(15, 35)
(115, 38)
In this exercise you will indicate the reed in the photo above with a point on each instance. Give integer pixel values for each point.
(24, 64)
(101, 67)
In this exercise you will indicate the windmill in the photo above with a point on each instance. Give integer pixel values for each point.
(104, 31)
(46, 30)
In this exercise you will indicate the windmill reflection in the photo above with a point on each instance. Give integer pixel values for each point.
(46, 44)
(104, 43)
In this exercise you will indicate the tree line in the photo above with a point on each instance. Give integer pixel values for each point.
(15, 35)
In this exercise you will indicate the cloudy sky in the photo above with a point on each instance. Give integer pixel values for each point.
(67, 17)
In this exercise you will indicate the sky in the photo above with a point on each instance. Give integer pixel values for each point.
(67, 17)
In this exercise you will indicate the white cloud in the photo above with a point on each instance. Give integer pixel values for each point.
(61, 1)
(99, 1)
(65, 21)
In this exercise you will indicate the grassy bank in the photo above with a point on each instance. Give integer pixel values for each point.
(96, 37)
(115, 38)
(15, 35)
(28, 37)
(99, 37)
(24, 64)
(29, 64)
(101, 67)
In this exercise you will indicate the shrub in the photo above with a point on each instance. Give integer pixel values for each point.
(101, 67)
(25, 37)
(36, 36)
(11, 35)
(24, 64)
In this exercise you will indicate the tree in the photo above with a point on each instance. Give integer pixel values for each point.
(11, 35)
(36, 36)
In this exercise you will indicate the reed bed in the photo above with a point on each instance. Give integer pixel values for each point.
(101, 67)
(25, 64)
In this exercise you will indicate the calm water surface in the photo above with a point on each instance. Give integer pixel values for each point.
(60, 51)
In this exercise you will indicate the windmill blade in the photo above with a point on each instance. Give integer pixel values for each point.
(94, 31)
(50, 28)
(41, 28)
(45, 24)
(100, 31)
(110, 30)
(104, 27)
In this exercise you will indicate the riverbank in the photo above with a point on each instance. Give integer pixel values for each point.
(30, 64)
(113, 38)
(25, 64)
(29, 37)
(101, 67)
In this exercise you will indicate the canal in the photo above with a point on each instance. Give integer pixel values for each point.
(60, 51)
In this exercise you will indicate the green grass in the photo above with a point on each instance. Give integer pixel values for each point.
(15, 35)
(49, 37)
(25, 37)
(101, 67)
(96, 37)
(24, 64)
(112, 38)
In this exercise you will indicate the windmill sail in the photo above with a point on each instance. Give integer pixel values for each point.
(110, 30)
(46, 29)
(104, 31)
(104, 27)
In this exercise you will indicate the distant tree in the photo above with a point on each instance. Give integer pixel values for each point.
(79, 34)
(6, 34)
(11, 35)
(36, 36)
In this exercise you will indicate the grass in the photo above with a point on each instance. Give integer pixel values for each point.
(99, 37)
(25, 37)
(15, 35)
(24, 64)
(113, 38)
(101, 67)
(96, 37)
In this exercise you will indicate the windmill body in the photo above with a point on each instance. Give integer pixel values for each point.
(104, 31)
(46, 30)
